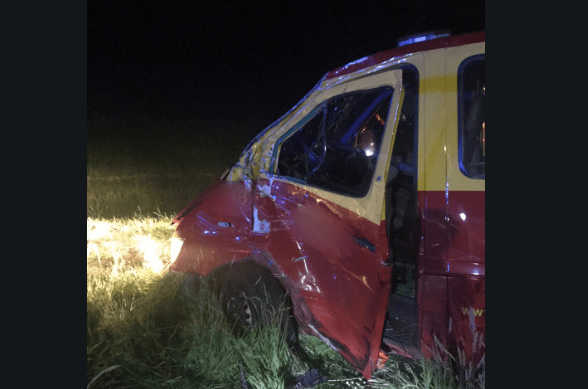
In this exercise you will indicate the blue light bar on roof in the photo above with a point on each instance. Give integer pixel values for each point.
(425, 36)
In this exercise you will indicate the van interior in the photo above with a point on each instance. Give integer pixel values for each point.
(403, 222)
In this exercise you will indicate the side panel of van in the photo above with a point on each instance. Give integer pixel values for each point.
(452, 258)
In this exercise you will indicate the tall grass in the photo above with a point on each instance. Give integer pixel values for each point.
(155, 164)
(128, 196)
(147, 330)
(143, 144)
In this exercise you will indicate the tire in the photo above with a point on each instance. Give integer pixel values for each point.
(250, 295)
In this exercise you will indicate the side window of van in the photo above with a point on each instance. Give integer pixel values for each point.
(471, 119)
(338, 147)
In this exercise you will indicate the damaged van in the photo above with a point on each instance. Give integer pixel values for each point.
(363, 206)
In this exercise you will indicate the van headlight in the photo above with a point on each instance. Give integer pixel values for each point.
(176, 246)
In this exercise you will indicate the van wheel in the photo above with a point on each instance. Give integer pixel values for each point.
(250, 295)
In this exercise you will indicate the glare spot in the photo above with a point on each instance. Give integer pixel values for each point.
(462, 216)
(150, 250)
(176, 246)
(97, 230)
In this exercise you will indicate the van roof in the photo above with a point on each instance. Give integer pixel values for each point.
(374, 59)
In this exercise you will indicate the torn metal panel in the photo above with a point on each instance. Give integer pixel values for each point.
(260, 226)
(331, 279)
(250, 162)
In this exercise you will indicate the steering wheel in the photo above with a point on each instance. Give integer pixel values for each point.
(312, 155)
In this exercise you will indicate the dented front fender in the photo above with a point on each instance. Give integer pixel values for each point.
(339, 289)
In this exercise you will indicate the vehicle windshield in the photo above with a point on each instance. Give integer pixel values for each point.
(337, 145)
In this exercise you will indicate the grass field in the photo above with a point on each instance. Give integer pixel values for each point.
(145, 165)
(145, 331)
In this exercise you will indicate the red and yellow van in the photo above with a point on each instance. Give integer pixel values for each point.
(364, 204)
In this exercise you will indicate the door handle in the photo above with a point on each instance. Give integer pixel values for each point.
(365, 243)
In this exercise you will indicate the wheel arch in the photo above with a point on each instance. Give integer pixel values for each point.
(263, 263)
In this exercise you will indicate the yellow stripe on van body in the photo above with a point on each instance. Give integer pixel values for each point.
(438, 122)
(432, 117)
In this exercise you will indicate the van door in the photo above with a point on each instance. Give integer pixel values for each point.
(318, 211)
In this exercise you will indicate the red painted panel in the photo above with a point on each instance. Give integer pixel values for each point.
(432, 302)
(455, 232)
(467, 313)
(208, 244)
(345, 285)
(339, 288)
(452, 271)
(467, 211)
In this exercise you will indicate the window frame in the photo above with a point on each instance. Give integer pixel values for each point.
(460, 116)
(309, 117)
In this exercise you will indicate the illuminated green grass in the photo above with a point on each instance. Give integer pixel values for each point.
(127, 196)
(143, 332)
(147, 165)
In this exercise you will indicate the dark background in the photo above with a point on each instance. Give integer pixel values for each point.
(232, 66)
(241, 59)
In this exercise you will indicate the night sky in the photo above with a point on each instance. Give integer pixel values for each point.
(240, 59)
